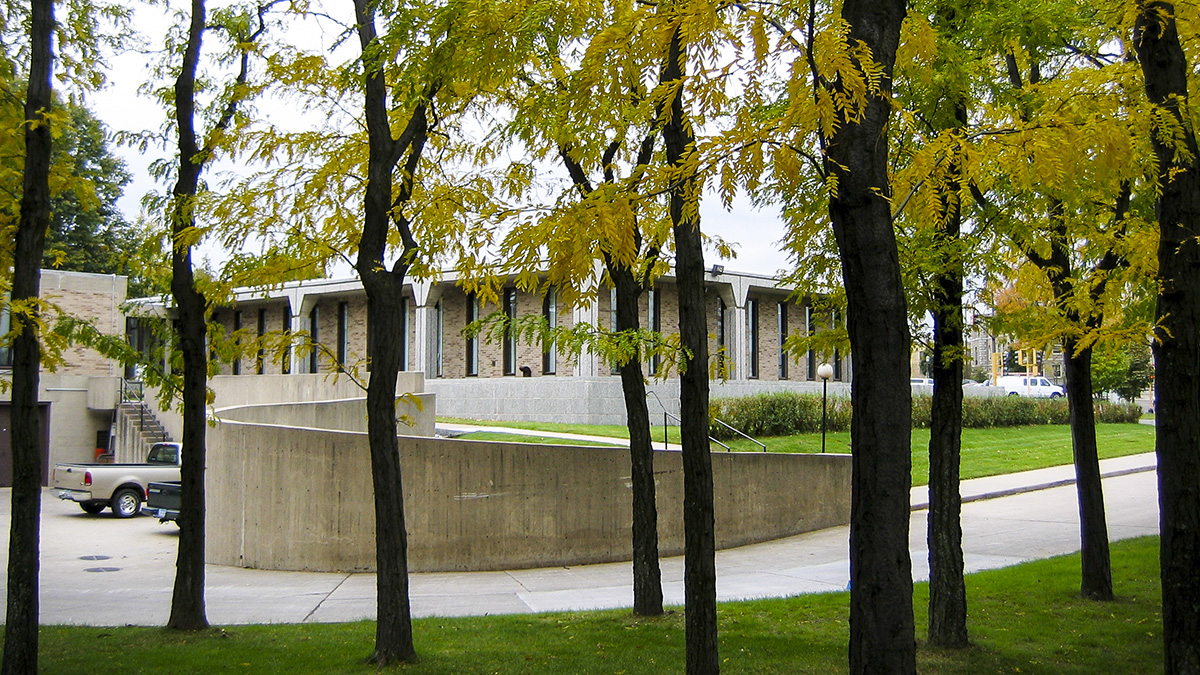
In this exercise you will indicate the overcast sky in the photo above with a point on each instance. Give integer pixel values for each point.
(756, 233)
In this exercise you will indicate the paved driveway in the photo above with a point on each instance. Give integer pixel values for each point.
(99, 570)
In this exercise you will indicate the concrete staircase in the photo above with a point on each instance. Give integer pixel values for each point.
(141, 420)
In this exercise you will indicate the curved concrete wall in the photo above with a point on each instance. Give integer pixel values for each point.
(281, 497)
(414, 412)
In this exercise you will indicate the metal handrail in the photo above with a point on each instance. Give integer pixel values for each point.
(131, 393)
(739, 433)
(722, 423)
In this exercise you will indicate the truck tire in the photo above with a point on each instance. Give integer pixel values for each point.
(93, 507)
(125, 503)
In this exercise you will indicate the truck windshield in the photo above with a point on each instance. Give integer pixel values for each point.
(163, 454)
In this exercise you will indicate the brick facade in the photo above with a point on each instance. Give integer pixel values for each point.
(95, 298)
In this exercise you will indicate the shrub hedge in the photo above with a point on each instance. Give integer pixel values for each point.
(784, 413)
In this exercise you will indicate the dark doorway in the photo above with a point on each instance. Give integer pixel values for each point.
(6, 443)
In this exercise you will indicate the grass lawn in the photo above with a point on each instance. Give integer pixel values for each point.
(986, 452)
(1024, 619)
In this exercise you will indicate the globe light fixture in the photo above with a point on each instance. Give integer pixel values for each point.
(824, 371)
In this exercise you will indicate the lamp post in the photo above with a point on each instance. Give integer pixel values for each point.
(824, 371)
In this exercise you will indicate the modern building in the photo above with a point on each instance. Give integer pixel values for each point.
(750, 319)
(80, 396)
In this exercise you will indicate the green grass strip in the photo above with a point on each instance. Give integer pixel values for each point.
(1024, 619)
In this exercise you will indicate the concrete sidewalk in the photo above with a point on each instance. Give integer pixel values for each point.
(102, 571)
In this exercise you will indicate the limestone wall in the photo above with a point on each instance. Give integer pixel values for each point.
(281, 497)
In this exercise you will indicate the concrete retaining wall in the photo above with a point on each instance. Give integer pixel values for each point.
(300, 499)
(233, 391)
(342, 415)
(239, 390)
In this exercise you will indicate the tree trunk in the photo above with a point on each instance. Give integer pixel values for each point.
(187, 599)
(1096, 577)
(700, 567)
(647, 576)
(947, 589)
(1177, 348)
(393, 627)
(21, 615)
(882, 633)
(384, 287)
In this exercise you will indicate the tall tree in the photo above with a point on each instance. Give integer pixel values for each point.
(1177, 346)
(629, 284)
(88, 233)
(187, 600)
(386, 197)
(882, 638)
(384, 286)
(700, 570)
(933, 163)
(947, 587)
(21, 616)
(1096, 575)
(605, 220)
(1071, 169)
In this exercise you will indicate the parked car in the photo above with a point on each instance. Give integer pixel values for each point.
(1034, 386)
(121, 487)
(162, 501)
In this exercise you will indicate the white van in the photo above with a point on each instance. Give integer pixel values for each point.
(1034, 387)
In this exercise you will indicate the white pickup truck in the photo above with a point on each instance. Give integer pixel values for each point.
(119, 486)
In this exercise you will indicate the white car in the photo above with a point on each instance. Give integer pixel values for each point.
(1032, 386)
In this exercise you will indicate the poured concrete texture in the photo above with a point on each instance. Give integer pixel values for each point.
(301, 499)
(141, 554)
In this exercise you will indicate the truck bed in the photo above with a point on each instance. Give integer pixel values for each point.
(162, 501)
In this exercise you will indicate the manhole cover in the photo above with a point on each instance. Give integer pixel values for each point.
(102, 569)
(95, 557)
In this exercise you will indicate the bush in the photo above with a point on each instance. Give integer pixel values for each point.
(777, 414)
(1117, 413)
(785, 413)
(1010, 411)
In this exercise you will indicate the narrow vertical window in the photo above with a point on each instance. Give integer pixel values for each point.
(237, 326)
(752, 347)
(721, 336)
(655, 310)
(510, 337)
(314, 338)
(286, 365)
(783, 335)
(837, 356)
(404, 331)
(550, 312)
(472, 340)
(439, 311)
(811, 358)
(343, 339)
(260, 360)
(6, 357)
(614, 366)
